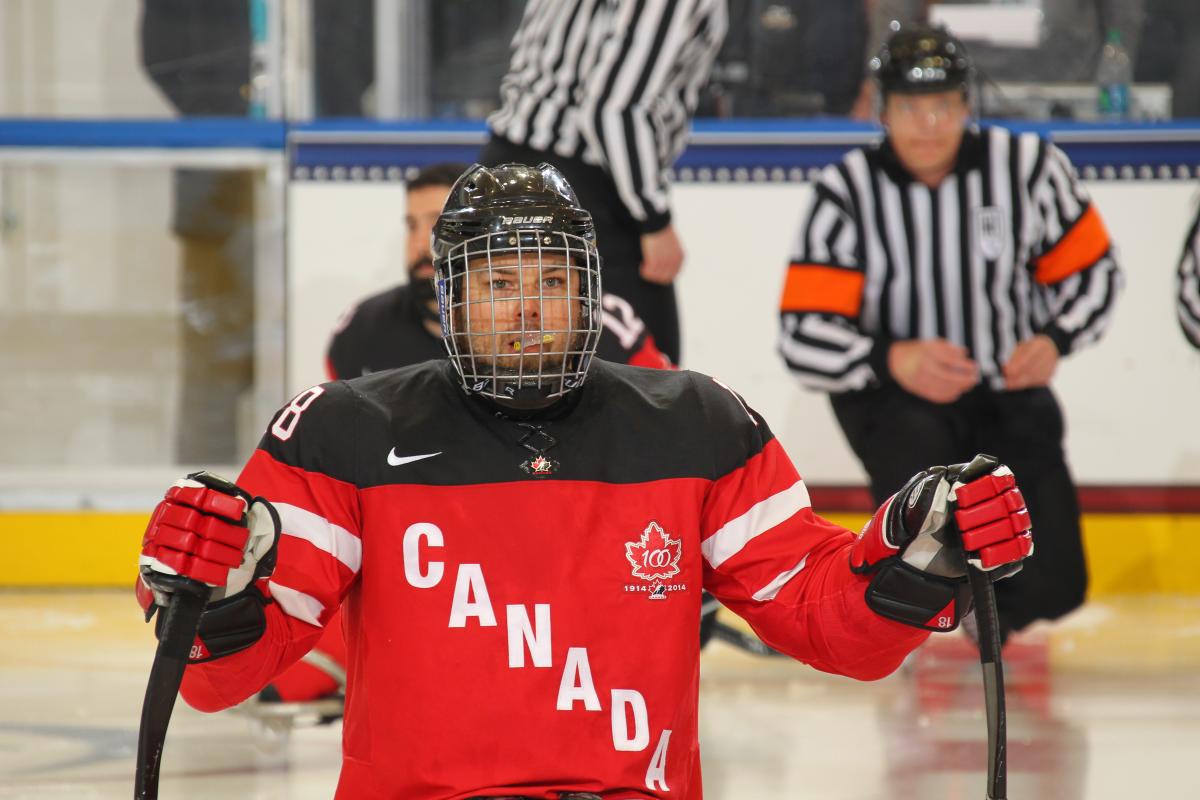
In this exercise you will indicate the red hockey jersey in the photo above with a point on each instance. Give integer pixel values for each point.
(522, 598)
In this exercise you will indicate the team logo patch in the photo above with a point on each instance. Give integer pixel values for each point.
(654, 558)
(539, 465)
(991, 231)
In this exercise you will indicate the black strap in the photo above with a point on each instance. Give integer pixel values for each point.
(227, 626)
(906, 594)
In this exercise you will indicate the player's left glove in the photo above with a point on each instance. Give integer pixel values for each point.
(917, 554)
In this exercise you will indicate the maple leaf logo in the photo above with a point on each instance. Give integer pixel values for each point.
(654, 557)
(539, 465)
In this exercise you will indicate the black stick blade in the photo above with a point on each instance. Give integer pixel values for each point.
(182, 616)
(988, 620)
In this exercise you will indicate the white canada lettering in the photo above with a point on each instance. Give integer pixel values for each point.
(412, 556)
(537, 635)
(470, 584)
(656, 774)
(630, 719)
(577, 683)
(623, 740)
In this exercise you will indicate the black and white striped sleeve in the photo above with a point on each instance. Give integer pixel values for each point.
(632, 111)
(820, 337)
(1187, 301)
(1075, 265)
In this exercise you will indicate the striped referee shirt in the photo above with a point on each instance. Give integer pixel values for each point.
(613, 83)
(1007, 246)
(1188, 299)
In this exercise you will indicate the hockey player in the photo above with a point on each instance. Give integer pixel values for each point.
(395, 328)
(519, 536)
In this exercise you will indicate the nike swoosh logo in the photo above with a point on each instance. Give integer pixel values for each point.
(395, 460)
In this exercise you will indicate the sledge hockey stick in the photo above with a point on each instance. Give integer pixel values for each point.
(181, 617)
(993, 681)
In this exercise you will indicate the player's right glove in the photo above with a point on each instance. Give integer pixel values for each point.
(917, 554)
(208, 530)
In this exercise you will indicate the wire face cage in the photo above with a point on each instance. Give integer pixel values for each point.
(520, 311)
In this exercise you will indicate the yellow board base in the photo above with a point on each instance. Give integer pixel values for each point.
(1127, 553)
(81, 549)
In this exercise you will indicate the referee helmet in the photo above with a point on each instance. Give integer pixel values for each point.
(920, 59)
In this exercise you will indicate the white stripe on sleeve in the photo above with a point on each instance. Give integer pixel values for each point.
(762, 517)
(322, 534)
(769, 591)
(297, 605)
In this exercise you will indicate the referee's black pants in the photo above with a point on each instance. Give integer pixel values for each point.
(618, 237)
(896, 434)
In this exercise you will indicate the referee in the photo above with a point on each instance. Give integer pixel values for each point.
(605, 91)
(1187, 301)
(936, 281)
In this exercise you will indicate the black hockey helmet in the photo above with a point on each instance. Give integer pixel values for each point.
(919, 59)
(525, 217)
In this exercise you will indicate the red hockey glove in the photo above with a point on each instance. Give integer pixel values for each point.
(207, 529)
(915, 553)
(990, 514)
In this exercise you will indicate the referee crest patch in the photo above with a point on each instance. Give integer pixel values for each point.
(991, 231)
